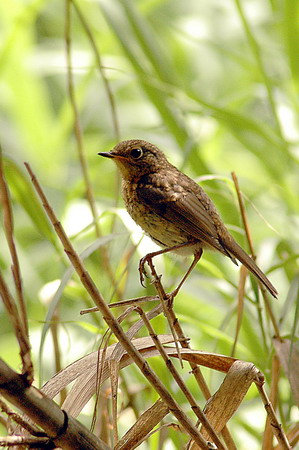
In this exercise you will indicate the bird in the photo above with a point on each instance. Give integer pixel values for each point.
(173, 209)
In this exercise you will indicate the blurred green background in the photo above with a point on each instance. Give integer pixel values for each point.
(214, 85)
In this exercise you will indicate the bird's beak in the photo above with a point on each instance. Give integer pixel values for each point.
(107, 154)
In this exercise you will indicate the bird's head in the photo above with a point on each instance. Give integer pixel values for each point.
(136, 157)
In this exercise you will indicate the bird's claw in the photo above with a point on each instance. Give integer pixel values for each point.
(142, 271)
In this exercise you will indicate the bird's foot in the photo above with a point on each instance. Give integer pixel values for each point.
(171, 296)
(141, 269)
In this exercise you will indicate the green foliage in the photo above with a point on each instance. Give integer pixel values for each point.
(215, 85)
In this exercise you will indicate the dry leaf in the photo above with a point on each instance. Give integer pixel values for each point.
(225, 402)
(144, 425)
(84, 371)
(288, 353)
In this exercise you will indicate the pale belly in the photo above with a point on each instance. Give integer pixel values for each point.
(163, 232)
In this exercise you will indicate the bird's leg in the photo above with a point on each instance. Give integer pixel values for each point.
(197, 257)
(148, 258)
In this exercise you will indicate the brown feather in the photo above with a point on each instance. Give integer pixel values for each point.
(200, 221)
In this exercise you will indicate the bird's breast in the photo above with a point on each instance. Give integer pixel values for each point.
(163, 232)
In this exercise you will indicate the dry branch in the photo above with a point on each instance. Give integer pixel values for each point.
(64, 430)
(79, 139)
(276, 426)
(18, 316)
(250, 243)
(194, 406)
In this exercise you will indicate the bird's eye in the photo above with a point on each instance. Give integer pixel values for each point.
(136, 153)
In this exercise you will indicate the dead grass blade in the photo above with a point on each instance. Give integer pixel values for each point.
(288, 353)
(225, 402)
(219, 409)
(241, 296)
(144, 425)
(84, 373)
(268, 433)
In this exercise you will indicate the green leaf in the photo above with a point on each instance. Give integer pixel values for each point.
(23, 193)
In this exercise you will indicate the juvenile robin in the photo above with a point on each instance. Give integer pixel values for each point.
(172, 209)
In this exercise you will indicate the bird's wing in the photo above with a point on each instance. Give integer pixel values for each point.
(187, 208)
(185, 203)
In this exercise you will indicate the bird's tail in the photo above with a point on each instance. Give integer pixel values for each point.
(248, 262)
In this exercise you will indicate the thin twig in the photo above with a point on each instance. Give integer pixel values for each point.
(125, 261)
(276, 426)
(257, 53)
(196, 371)
(268, 406)
(271, 314)
(31, 442)
(19, 329)
(123, 303)
(9, 232)
(250, 243)
(54, 327)
(111, 100)
(243, 214)
(170, 366)
(80, 147)
(20, 420)
(164, 299)
(21, 313)
(135, 301)
(113, 324)
(268, 432)
(241, 295)
(100, 68)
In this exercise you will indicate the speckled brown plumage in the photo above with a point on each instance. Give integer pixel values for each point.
(171, 208)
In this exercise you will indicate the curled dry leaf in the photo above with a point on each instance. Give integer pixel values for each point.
(144, 425)
(225, 402)
(84, 371)
(219, 408)
(288, 353)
